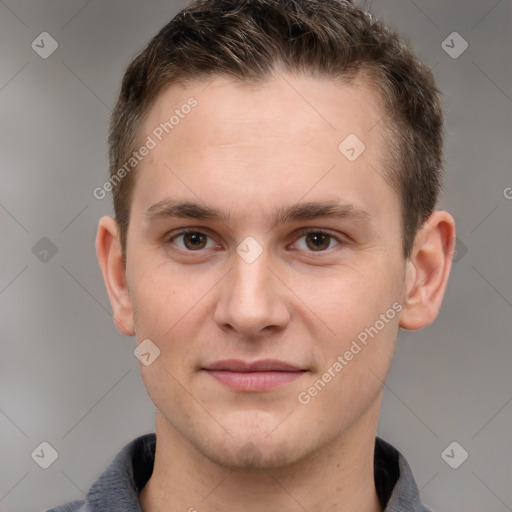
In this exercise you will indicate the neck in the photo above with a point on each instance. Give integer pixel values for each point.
(337, 478)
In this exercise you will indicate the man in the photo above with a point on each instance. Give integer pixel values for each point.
(275, 166)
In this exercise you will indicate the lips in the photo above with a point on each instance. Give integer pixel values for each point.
(266, 365)
(253, 377)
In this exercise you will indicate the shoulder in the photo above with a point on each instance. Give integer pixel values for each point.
(71, 506)
(117, 488)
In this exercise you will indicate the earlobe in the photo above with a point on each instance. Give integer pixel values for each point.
(110, 258)
(427, 271)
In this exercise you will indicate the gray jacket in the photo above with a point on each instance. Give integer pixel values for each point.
(117, 488)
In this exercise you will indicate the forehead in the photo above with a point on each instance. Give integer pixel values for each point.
(304, 107)
(290, 136)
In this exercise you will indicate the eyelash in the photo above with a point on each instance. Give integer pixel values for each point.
(300, 234)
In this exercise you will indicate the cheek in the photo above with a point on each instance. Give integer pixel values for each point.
(353, 363)
(169, 309)
(350, 300)
(161, 295)
(361, 310)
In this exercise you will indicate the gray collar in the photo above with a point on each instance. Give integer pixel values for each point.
(117, 488)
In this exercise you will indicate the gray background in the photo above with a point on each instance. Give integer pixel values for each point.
(69, 378)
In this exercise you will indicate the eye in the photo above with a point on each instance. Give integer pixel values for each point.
(316, 241)
(192, 240)
(311, 240)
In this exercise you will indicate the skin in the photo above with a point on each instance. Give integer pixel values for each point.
(249, 151)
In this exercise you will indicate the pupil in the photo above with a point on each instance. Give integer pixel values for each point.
(194, 239)
(319, 240)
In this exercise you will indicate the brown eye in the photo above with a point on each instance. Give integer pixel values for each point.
(191, 241)
(312, 240)
(318, 241)
(194, 240)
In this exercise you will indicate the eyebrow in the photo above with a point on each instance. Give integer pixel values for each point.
(168, 208)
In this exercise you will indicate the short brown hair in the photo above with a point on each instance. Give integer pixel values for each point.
(248, 40)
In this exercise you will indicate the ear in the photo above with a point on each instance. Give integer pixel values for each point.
(427, 271)
(110, 258)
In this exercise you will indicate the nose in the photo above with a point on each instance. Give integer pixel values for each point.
(253, 300)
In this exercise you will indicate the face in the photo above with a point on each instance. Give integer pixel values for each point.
(275, 300)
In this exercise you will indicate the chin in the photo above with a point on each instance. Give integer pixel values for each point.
(251, 449)
(253, 455)
(251, 439)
